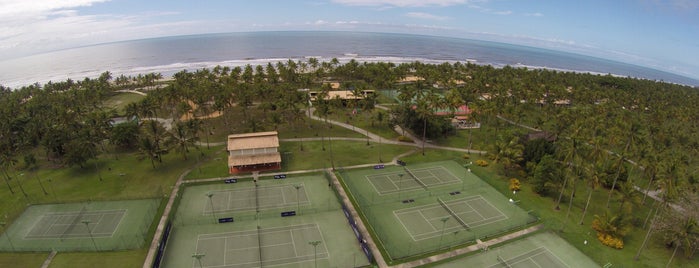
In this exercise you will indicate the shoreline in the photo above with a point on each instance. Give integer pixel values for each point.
(168, 70)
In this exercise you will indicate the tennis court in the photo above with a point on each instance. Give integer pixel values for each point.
(411, 179)
(271, 224)
(539, 257)
(263, 247)
(76, 224)
(539, 250)
(86, 226)
(430, 221)
(252, 198)
(441, 205)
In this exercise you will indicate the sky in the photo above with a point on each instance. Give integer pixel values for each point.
(662, 34)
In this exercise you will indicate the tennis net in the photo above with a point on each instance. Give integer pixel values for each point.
(74, 223)
(259, 243)
(415, 178)
(453, 214)
(504, 262)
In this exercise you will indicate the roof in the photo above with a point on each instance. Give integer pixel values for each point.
(461, 110)
(342, 94)
(253, 140)
(247, 160)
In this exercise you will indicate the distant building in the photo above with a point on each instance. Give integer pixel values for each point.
(342, 94)
(250, 152)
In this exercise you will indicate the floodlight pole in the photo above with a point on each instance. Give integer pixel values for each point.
(198, 257)
(41, 184)
(297, 186)
(315, 252)
(400, 184)
(3, 224)
(213, 213)
(444, 225)
(87, 225)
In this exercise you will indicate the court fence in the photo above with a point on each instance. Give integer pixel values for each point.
(134, 238)
(396, 244)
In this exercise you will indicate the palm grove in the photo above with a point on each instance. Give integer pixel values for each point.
(605, 134)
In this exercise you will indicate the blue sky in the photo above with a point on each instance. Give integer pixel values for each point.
(663, 34)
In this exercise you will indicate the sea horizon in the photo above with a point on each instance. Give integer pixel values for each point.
(171, 54)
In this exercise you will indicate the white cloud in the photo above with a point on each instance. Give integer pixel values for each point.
(427, 16)
(404, 3)
(14, 8)
(503, 12)
(28, 27)
(537, 14)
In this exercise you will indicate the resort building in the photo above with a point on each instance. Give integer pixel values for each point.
(251, 152)
(342, 94)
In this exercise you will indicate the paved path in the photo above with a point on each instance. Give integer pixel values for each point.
(132, 91)
(153, 249)
(48, 260)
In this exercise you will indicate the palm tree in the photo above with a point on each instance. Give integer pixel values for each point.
(593, 181)
(634, 135)
(628, 197)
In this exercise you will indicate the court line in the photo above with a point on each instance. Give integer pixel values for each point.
(435, 205)
(303, 258)
(267, 196)
(57, 216)
(474, 210)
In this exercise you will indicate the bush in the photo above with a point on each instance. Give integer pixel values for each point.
(610, 241)
(482, 163)
(404, 138)
(514, 184)
(467, 156)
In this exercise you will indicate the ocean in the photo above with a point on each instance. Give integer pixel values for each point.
(169, 55)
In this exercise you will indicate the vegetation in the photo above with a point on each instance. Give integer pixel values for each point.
(580, 145)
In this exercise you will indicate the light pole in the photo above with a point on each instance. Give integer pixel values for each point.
(315, 252)
(41, 184)
(3, 224)
(19, 182)
(400, 184)
(213, 213)
(87, 225)
(297, 186)
(444, 225)
(198, 257)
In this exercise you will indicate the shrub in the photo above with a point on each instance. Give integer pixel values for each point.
(404, 138)
(467, 156)
(514, 184)
(482, 163)
(610, 241)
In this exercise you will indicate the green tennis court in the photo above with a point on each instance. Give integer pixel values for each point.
(267, 247)
(539, 250)
(268, 197)
(261, 233)
(76, 224)
(86, 226)
(431, 207)
(539, 257)
(410, 179)
(425, 222)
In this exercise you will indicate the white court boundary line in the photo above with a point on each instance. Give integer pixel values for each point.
(56, 215)
(281, 188)
(484, 221)
(273, 230)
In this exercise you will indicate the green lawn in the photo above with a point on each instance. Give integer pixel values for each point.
(655, 254)
(129, 177)
(119, 100)
(345, 153)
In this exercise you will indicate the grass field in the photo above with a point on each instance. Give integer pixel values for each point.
(89, 226)
(258, 235)
(435, 206)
